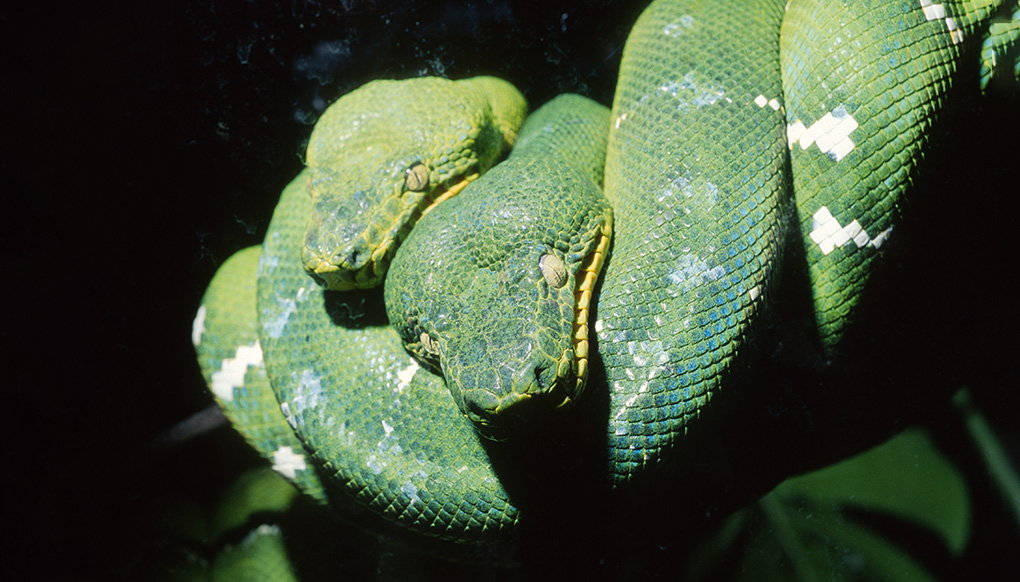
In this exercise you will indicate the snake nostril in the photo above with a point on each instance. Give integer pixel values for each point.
(357, 255)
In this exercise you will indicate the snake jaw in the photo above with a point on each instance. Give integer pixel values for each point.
(503, 402)
(347, 273)
(352, 260)
(514, 414)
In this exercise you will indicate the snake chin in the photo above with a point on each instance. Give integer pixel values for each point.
(515, 416)
(522, 410)
(346, 269)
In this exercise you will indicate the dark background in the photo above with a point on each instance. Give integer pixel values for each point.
(144, 142)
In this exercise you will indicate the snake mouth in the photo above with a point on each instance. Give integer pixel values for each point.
(351, 270)
(516, 415)
(329, 276)
(363, 262)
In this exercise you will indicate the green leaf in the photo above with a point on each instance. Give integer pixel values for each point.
(807, 528)
(257, 491)
(260, 557)
(905, 477)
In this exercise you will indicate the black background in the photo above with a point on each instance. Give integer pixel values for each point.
(144, 142)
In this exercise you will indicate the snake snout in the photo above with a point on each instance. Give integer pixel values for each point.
(511, 405)
(349, 267)
(355, 256)
(512, 416)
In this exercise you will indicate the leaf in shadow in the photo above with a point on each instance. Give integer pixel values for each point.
(834, 523)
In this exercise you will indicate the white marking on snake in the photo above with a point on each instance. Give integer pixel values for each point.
(688, 92)
(375, 464)
(262, 530)
(387, 451)
(287, 463)
(794, 131)
(630, 402)
(198, 326)
(712, 191)
(268, 263)
(831, 133)
(828, 234)
(938, 12)
(405, 375)
(232, 371)
(754, 293)
(675, 29)
(692, 271)
(411, 491)
(308, 392)
(274, 325)
(881, 238)
(268, 530)
(932, 11)
(954, 31)
(825, 230)
(762, 101)
(285, 409)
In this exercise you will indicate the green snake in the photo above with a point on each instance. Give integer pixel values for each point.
(738, 132)
(492, 290)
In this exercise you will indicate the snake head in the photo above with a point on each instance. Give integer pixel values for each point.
(493, 290)
(355, 229)
(385, 154)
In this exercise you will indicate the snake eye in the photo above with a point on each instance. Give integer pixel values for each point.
(553, 269)
(416, 177)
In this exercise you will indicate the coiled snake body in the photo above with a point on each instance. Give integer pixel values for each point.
(801, 131)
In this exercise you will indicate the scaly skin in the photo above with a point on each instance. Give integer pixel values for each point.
(698, 213)
(226, 338)
(381, 155)
(889, 71)
(473, 292)
(704, 207)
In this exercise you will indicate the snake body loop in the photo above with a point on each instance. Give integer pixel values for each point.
(740, 133)
(699, 222)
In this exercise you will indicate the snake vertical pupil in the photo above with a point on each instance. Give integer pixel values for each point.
(416, 177)
(553, 270)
